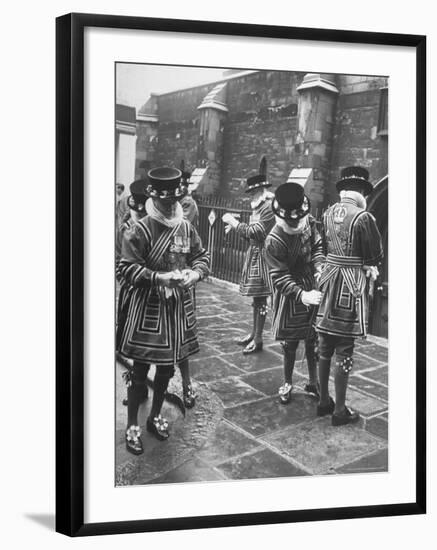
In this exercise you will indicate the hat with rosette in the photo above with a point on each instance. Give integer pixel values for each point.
(258, 181)
(290, 202)
(165, 182)
(354, 178)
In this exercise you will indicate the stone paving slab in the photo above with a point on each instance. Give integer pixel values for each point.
(378, 353)
(369, 386)
(233, 391)
(253, 363)
(218, 369)
(267, 415)
(263, 464)
(320, 447)
(378, 426)
(191, 471)
(379, 374)
(226, 444)
(372, 463)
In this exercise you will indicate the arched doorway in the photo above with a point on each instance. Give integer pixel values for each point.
(378, 206)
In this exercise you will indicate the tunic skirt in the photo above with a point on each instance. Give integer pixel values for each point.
(255, 279)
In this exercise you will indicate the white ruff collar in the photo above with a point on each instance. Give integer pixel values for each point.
(154, 213)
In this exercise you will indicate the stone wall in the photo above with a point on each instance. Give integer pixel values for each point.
(356, 139)
(262, 120)
(179, 121)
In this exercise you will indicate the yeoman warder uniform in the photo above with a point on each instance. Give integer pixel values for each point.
(255, 279)
(161, 258)
(294, 253)
(354, 250)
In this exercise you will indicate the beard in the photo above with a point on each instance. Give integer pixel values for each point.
(292, 230)
(166, 207)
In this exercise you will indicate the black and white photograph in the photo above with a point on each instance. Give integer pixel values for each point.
(251, 274)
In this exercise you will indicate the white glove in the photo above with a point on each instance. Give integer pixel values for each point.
(371, 271)
(190, 278)
(311, 297)
(230, 219)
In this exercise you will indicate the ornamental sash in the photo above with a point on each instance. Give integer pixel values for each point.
(349, 266)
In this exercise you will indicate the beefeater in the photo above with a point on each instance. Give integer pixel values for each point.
(255, 279)
(354, 252)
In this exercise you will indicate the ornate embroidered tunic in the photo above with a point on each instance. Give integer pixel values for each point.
(255, 278)
(352, 240)
(293, 260)
(160, 324)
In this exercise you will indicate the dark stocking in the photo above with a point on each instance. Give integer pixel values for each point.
(310, 353)
(341, 380)
(160, 385)
(324, 370)
(260, 313)
(185, 373)
(289, 348)
(136, 390)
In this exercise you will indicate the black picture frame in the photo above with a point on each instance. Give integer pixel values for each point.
(70, 273)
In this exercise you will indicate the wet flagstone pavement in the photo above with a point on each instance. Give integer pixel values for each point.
(238, 430)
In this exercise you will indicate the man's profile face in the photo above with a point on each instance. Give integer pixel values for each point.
(119, 189)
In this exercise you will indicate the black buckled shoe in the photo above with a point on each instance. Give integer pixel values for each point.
(312, 389)
(133, 440)
(323, 410)
(253, 347)
(347, 417)
(158, 427)
(244, 341)
(189, 397)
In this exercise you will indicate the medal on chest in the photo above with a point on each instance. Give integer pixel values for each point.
(175, 257)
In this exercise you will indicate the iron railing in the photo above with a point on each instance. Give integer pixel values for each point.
(227, 250)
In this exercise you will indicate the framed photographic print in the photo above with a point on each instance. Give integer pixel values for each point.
(240, 285)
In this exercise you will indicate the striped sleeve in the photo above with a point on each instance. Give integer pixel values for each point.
(198, 258)
(259, 230)
(132, 267)
(282, 279)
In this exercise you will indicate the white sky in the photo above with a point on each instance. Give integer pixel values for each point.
(135, 83)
